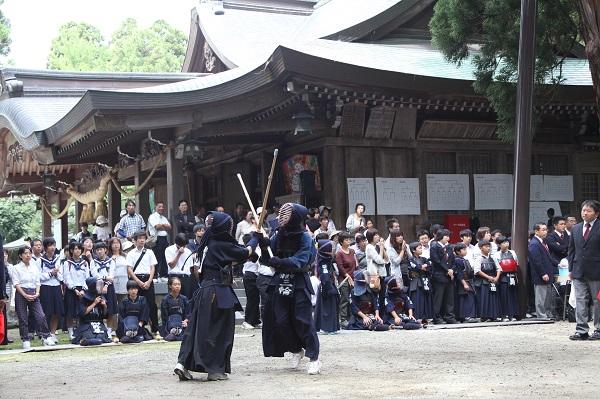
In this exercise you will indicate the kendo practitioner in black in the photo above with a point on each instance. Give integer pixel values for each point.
(288, 325)
(208, 338)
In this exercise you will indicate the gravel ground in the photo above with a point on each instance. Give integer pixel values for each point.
(538, 361)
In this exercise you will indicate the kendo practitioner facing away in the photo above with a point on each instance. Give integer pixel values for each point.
(287, 324)
(208, 338)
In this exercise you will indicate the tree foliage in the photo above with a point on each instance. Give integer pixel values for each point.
(19, 218)
(4, 33)
(81, 47)
(486, 33)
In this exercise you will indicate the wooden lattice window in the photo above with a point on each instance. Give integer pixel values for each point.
(590, 186)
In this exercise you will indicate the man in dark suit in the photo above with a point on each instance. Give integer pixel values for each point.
(442, 260)
(558, 240)
(584, 268)
(542, 267)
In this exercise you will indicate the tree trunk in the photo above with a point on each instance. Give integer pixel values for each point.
(590, 17)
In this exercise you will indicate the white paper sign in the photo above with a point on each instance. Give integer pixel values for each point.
(398, 196)
(536, 188)
(558, 188)
(538, 212)
(493, 191)
(361, 190)
(448, 192)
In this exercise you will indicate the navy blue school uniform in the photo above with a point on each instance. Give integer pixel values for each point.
(101, 269)
(396, 300)
(131, 312)
(51, 294)
(173, 310)
(509, 304)
(288, 325)
(466, 303)
(208, 339)
(364, 300)
(328, 298)
(74, 275)
(488, 294)
(420, 289)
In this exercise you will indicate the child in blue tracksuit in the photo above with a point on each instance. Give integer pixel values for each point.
(173, 311)
(364, 304)
(398, 306)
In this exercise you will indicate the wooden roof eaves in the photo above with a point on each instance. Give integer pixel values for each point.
(192, 52)
(215, 49)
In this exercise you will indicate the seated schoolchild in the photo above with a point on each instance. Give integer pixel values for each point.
(133, 315)
(92, 312)
(173, 311)
(398, 306)
(466, 307)
(364, 303)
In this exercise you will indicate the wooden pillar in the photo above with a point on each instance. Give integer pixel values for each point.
(175, 186)
(46, 224)
(334, 184)
(114, 206)
(64, 221)
(78, 210)
(142, 199)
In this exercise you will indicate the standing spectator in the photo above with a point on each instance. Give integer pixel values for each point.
(505, 258)
(141, 267)
(347, 263)
(423, 237)
(75, 270)
(360, 247)
(180, 261)
(239, 213)
(116, 252)
(323, 226)
(159, 226)
(392, 225)
(558, 240)
(102, 231)
(442, 260)
(312, 221)
(398, 252)
(199, 231)
(487, 277)
(272, 217)
(326, 211)
(466, 236)
(250, 273)
(185, 220)
(83, 233)
(571, 221)
(26, 278)
(245, 226)
(200, 215)
(356, 221)
(132, 222)
(51, 296)
(542, 268)
(584, 268)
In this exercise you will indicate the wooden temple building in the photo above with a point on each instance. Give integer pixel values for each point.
(344, 88)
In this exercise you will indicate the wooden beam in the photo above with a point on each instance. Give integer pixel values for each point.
(233, 129)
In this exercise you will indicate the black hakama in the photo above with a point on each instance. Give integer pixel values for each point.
(488, 301)
(509, 304)
(328, 301)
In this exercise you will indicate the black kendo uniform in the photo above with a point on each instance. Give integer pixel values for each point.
(396, 300)
(288, 325)
(328, 298)
(173, 311)
(91, 329)
(208, 339)
(488, 294)
(131, 312)
(421, 292)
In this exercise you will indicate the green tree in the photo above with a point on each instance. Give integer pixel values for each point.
(493, 26)
(4, 33)
(159, 48)
(78, 47)
(19, 218)
(81, 47)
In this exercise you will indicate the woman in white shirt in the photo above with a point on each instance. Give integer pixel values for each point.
(244, 227)
(115, 251)
(356, 220)
(26, 279)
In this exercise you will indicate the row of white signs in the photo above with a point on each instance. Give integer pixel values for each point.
(401, 196)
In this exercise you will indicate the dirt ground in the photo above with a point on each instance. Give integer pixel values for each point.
(536, 361)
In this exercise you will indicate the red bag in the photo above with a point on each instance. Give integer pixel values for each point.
(2, 321)
(509, 265)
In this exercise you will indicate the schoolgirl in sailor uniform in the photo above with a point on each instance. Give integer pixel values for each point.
(364, 304)
(75, 271)
(103, 268)
(51, 291)
(92, 312)
(398, 306)
(487, 277)
(174, 309)
(466, 305)
(508, 279)
(328, 298)
(421, 293)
